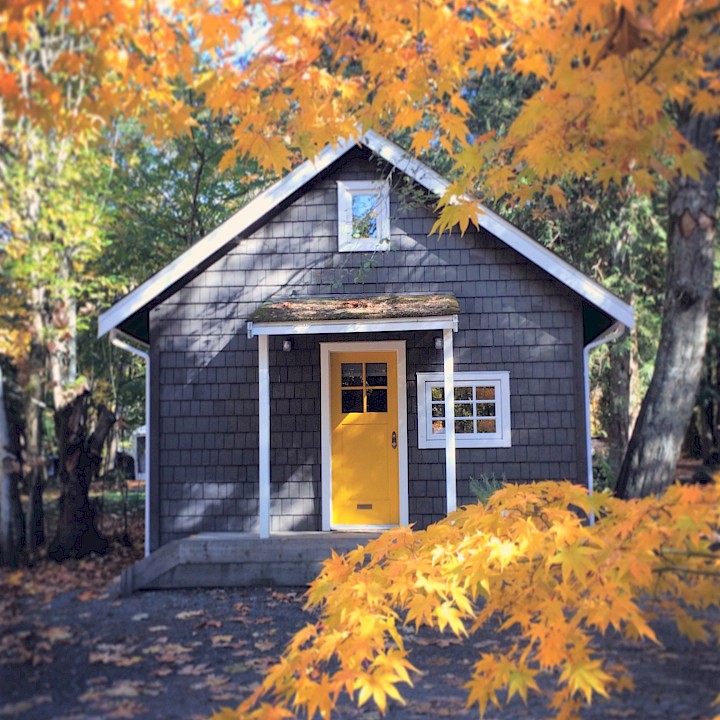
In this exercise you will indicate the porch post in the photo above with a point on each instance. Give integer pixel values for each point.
(449, 368)
(264, 434)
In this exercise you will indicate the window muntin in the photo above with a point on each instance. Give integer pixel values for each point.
(364, 387)
(482, 409)
(363, 215)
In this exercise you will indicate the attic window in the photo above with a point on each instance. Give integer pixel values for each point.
(363, 215)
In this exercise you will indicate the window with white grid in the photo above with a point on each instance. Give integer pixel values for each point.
(482, 409)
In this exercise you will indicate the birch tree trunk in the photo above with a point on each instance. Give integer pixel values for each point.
(654, 448)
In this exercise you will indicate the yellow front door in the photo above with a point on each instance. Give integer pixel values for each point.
(364, 438)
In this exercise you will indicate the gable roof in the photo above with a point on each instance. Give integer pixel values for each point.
(213, 244)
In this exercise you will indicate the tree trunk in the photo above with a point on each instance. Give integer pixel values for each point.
(652, 454)
(12, 525)
(33, 405)
(80, 457)
(708, 408)
(615, 403)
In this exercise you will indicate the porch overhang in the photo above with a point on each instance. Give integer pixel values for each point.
(449, 322)
(351, 315)
(371, 313)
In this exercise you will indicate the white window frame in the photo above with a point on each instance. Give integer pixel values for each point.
(499, 379)
(346, 190)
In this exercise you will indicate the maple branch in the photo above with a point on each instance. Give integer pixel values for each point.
(602, 54)
(675, 38)
(690, 553)
(687, 571)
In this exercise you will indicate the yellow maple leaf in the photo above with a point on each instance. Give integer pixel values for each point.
(586, 677)
(447, 614)
(520, 679)
(575, 560)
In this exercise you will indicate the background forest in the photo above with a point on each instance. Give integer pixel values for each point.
(86, 215)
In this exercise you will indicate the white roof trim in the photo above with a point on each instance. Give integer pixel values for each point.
(220, 237)
(296, 179)
(514, 237)
(318, 327)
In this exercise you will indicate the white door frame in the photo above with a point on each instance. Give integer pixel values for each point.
(398, 347)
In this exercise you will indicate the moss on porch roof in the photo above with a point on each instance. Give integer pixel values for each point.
(363, 307)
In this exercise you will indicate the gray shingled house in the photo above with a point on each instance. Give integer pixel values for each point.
(301, 356)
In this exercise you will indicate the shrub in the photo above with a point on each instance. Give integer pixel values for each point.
(526, 559)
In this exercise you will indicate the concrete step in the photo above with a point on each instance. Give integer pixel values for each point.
(238, 560)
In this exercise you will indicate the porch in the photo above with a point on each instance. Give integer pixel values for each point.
(204, 560)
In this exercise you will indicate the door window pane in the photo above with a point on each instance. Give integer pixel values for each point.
(351, 374)
(377, 400)
(438, 427)
(352, 401)
(376, 374)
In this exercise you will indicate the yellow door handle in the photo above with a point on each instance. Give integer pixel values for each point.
(394, 440)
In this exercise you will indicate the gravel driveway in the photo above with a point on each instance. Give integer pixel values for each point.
(182, 654)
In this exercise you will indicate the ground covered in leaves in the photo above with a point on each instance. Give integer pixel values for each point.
(72, 649)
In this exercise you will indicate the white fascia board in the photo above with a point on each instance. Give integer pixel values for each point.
(293, 181)
(221, 236)
(507, 233)
(412, 167)
(557, 267)
(354, 326)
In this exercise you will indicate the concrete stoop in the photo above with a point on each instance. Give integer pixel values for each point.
(238, 560)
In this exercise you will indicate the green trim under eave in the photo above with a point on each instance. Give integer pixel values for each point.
(362, 307)
(595, 322)
(136, 326)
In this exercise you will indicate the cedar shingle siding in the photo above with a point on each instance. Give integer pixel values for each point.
(513, 316)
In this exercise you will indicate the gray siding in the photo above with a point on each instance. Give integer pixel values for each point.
(513, 317)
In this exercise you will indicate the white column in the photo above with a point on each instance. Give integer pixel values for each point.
(264, 434)
(449, 368)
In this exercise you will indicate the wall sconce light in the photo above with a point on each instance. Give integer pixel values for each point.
(287, 345)
(438, 343)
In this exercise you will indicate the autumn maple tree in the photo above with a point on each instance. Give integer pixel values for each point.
(627, 94)
(528, 561)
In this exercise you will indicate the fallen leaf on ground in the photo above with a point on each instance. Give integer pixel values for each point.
(221, 640)
(211, 681)
(236, 668)
(127, 709)
(208, 623)
(265, 645)
(187, 614)
(118, 655)
(57, 634)
(438, 642)
(201, 669)
(13, 709)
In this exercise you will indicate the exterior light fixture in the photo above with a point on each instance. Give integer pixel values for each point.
(438, 343)
(287, 345)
